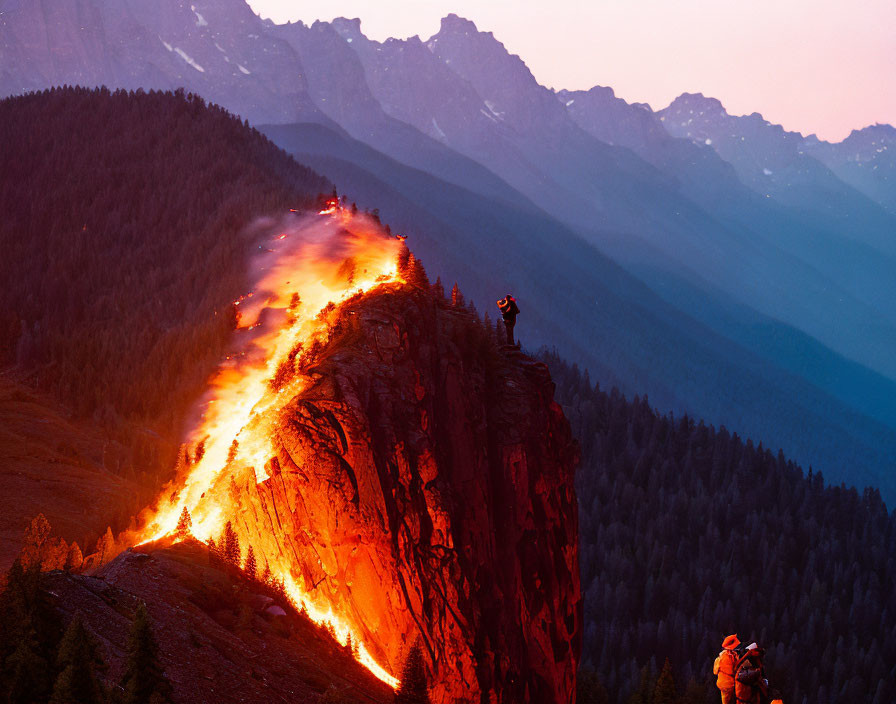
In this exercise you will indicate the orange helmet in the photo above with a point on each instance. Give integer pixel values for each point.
(731, 642)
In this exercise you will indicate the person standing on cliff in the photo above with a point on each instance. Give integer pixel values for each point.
(509, 311)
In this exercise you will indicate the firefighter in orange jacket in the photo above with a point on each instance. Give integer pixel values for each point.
(750, 685)
(509, 311)
(724, 668)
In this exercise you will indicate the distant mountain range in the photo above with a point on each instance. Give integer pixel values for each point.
(720, 264)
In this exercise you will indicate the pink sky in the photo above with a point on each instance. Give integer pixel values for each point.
(822, 66)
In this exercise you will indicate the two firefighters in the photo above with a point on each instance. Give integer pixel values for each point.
(740, 677)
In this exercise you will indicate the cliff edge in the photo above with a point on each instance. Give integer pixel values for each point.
(423, 488)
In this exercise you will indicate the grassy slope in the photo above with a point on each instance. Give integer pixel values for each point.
(52, 465)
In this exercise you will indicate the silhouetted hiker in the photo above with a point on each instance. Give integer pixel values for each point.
(750, 685)
(724, 667)
(509, 311)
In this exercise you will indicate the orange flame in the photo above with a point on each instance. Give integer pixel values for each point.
(302, 271)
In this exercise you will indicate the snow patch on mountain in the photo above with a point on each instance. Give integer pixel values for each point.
(491, 106)
(243, 69)
(200, 20)
(186, 57)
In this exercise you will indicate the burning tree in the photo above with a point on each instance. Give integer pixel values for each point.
(457, 298)
(39, 548)
(74, 559)
(184, 524)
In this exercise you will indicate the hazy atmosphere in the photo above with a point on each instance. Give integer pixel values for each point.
(533, 352)
(818, 67)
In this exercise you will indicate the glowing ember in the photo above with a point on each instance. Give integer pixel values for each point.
(308, 265)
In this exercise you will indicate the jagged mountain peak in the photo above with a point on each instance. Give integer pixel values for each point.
(602, 90)
(453, 23)
(881, 132)
(456, 29)
(697, 101)
(508, 87)
(347, 27)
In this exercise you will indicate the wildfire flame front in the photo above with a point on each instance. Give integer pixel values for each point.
(309, 264)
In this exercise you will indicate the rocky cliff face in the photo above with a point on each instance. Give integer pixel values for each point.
(423, 487)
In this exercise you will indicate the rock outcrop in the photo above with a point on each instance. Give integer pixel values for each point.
(423, 488)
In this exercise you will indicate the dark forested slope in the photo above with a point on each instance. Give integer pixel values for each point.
(123, 243)
(688, 533)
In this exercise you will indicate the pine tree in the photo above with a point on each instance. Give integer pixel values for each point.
(266, 574)
(231, 542)
(78, 662)
(251, 565)
(74, 559)
(404, 260)
(664, 691)
(645, 688)
(694, 694)
(184, 524)
(105, 547)
(500, 331)
(416, 274)
(27, 672)
(457, 298)
(351, 646)
(37, 534)
(144, 680)
(413, 688)
(214, 554)
(29, 634)
(589, 689)
(438, 289)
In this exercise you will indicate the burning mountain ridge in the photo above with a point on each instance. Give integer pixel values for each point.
(405, 479)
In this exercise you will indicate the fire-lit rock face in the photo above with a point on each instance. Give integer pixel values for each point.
(423, 487)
